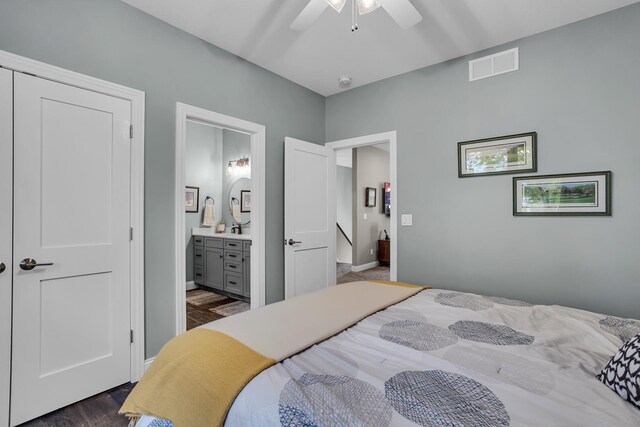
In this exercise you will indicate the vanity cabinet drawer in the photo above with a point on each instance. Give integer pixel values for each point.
(233, 283)
(233, 266)
(233, 256)
(246, 246)
(198, 256)
(198, 240)
(213, 242)
(233, 244)
(198, 278)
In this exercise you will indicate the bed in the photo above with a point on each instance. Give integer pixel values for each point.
(442, 358)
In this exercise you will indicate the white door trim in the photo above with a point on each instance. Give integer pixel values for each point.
(380, 138)
(6, 239)
(137, 98)
(257, 132)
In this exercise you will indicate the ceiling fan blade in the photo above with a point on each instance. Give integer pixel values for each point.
(309, 14)
(403, 12)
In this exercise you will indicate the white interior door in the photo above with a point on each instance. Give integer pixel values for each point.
(309, 217)
(71, 208)
(6, 180)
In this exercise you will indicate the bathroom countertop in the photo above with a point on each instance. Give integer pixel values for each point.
(210, 232)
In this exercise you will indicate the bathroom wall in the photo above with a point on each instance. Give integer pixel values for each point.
(203, 169)
(236, 146)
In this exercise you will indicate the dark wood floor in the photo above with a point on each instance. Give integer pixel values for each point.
(102, 410)
(200, 315)
(97, 411)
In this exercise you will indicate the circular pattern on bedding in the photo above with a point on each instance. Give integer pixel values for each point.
(507, 301)
(417, 335)
(625, 329)
(490, 333)
(440, 398)
(157, 422)
(527, 374)
(328, 400)
(460, 300)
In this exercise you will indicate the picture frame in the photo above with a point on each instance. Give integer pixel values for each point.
(387, 198)
(370, 197)
(569, 194)
(245, 200)
(498, 156)
(191, 199)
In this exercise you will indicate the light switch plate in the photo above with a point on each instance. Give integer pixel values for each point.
(407, 220)
(365, 216)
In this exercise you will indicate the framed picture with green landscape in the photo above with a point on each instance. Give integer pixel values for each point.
(572, 194)
(500, 155)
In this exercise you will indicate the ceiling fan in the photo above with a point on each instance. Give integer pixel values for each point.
(402, 11)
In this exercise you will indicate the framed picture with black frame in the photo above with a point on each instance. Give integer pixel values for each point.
(191, 199)
(245, 200)
(569, 194)
(370, 197)
(497, 156)
(387, 198)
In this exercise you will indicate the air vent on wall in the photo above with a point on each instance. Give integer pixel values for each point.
(493, 65)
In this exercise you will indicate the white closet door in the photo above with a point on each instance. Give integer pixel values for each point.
(71, 203)
(6, 179)
(309, 217)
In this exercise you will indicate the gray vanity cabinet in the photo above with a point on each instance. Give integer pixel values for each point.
(198, 260)
(223, 264)
(246, 269)
(214, 268)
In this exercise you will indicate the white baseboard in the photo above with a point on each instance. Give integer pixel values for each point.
(191, 285)
(363, 267)
(148, 363)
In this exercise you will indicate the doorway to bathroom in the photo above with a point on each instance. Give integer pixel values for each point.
(219, 236)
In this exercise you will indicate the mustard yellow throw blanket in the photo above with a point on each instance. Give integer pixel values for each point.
(196, 377)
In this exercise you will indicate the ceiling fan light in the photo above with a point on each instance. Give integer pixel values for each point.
(337, 4)
(366, 6)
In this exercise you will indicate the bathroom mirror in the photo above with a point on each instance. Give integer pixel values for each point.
(240, 201)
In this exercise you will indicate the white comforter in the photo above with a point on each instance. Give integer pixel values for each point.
(442, 359)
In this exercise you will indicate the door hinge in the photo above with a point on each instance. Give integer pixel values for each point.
(131, 336)
(131, 234)
(130, 131)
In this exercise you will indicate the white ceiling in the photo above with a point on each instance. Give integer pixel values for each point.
(345, 157)
(258, 30)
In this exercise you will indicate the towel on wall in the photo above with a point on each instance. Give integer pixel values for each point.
(235, 212)
(209, 217)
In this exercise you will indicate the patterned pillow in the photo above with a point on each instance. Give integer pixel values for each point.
(622, 373)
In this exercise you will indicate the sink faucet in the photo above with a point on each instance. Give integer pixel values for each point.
(237, 226)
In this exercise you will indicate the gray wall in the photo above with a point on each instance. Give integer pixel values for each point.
(578, 87)
(371, 168)
(203, 169)
(344, 199)
(344, 216)
(110, 40)
(236, 145)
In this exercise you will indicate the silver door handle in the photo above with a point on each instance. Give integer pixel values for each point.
(30, 263)
(2, 267)
(292, 242)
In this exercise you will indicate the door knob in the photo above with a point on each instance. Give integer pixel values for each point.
(292, 242)
(2, 267)
(30, 263)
